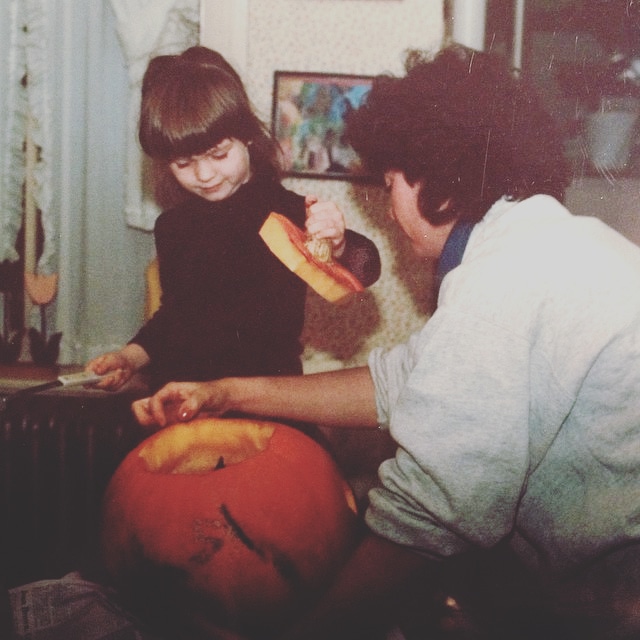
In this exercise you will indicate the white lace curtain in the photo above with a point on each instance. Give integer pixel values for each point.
(168, 27)
(84, 62)
(25, 54)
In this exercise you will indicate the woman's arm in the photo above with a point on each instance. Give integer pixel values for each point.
(343, 398)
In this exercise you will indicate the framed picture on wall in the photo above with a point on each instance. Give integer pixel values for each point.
(308, 120)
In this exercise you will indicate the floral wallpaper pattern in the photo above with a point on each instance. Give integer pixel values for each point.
(356, 37)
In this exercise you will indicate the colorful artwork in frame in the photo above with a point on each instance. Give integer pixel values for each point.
(308, 120)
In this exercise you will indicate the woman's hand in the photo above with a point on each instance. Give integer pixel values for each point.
(325, 220)
(180, 402)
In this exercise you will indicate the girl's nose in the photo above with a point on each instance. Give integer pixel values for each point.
(204, 169)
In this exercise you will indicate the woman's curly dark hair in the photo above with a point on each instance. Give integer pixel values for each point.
(465, 128)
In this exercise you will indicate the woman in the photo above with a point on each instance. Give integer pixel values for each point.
(515, 408)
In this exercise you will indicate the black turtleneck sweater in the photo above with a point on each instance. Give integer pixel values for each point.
(229, 306)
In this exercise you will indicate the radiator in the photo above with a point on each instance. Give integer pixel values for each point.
(56, 457)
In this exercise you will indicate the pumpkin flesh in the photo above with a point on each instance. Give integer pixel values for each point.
(288, 243)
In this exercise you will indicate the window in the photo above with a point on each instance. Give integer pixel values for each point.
(584, 56)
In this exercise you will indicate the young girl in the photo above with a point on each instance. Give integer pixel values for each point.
(229, 307)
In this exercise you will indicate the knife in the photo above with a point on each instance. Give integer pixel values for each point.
(67, 380)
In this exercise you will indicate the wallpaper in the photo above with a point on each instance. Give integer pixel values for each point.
(355, 37)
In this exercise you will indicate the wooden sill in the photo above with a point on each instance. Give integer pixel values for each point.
(24, 374)
(20, 374)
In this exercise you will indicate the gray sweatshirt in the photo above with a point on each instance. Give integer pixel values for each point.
(516, 408)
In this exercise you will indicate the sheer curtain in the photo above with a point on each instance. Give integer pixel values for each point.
(81, 95)
(169, 26)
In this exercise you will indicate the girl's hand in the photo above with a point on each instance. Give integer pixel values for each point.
(180, 402)
(325, 220)
(114, 367)
(118, 367)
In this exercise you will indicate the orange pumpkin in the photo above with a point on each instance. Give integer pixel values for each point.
(288, 243)
(230, 523)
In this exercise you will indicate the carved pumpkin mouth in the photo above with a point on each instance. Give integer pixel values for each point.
(193, 451)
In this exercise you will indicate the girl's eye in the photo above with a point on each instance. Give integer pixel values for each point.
(217, 154)
(182, 163)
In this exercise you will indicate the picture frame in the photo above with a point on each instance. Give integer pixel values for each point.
(308, 121)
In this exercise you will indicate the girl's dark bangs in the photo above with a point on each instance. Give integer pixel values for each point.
(193, 139)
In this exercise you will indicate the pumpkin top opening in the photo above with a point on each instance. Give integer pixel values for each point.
(204, 446)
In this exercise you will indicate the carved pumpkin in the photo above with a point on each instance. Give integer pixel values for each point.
(288, 243)
(227, 524)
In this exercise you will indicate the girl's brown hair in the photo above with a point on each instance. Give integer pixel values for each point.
(190, 103)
